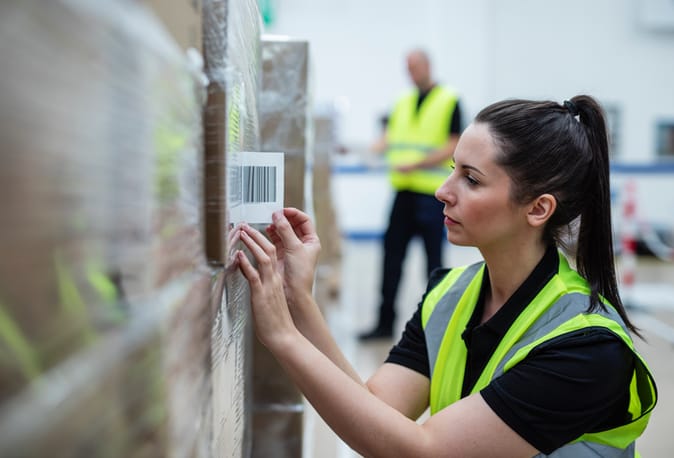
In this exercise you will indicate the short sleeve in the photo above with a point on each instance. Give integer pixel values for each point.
(575, 384)
(456, 123)
(411, 350)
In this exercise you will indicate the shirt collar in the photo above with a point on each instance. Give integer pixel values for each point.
(501, 321)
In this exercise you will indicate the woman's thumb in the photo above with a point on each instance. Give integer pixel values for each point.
(284, 230)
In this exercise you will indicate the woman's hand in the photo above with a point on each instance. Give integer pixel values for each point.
(297, 248)
(273, 323)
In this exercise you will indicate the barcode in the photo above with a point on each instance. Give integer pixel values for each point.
(259, 184)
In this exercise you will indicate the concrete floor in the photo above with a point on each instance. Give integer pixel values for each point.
(356, 310)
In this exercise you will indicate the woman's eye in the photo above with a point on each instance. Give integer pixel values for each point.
(472, 181)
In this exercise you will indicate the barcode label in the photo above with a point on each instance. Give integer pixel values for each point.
(256, 187)
(259, 184)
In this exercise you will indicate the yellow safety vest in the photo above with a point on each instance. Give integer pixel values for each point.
(559, 308)
(412, 134)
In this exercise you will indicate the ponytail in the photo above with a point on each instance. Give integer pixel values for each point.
(562, 150)
(595, 259)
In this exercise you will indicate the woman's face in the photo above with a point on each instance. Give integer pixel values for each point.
(478, 209)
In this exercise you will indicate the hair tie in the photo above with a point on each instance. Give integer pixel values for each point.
(569, 105)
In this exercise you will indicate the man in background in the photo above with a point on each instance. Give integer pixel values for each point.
(419, 141)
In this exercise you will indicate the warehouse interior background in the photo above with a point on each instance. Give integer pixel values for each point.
(124, 330)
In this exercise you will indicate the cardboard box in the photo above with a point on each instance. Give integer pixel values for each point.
(278, 433)
(284, 125)
(103, 282)
(284, 105)
(232, 65)
(182, 19)
(328, 275)
(231, 46)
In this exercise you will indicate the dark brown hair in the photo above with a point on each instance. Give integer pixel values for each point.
(562, 150)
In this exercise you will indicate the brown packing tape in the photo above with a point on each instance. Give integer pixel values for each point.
(215, 133)
(215, 182)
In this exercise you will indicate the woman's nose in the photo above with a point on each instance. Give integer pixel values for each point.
(443, 193)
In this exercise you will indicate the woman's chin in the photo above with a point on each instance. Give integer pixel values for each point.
(457, 241)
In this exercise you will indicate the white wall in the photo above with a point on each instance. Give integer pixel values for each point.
(488, 50)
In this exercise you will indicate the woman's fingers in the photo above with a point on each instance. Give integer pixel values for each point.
(300, 222)
(272, 233)
(248, 270)
(285, 231)
(260, 239)
(266, 258)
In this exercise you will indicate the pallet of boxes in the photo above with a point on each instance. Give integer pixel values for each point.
(325, 146)
(278, 405)
(122, 330)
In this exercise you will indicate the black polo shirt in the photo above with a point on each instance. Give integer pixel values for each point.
(574, 384)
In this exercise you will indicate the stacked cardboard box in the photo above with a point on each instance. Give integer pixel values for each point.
(124, 332)
(328, 276)
(231, 126)
(284, 108)
(284, 103)
(182, 19)
(105, 294)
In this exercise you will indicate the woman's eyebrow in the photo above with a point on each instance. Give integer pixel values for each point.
(470, 167)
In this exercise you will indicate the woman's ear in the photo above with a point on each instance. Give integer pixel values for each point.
(541, 209)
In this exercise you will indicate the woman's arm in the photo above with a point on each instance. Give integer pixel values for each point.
(296, 246)
(368, 424)
(468, 428)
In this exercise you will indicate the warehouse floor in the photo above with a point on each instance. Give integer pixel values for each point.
(356, 309)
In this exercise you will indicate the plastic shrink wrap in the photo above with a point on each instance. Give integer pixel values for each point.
(232, 61)
(284, 126)
(117, 337)
(328, 274)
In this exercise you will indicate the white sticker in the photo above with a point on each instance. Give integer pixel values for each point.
(257, 187)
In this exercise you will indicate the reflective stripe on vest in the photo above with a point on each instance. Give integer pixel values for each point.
(558, 309)
(412, 134)
(589, 449)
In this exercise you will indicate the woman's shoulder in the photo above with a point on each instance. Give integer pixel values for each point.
(588, 371)
(436, 277)
(596, 349)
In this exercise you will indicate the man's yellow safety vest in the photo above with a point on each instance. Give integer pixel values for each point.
(559, 308)
(412, 134)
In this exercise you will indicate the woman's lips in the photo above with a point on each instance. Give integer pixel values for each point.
(449, 221)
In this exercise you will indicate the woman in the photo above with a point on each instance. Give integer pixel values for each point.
(518, 355)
